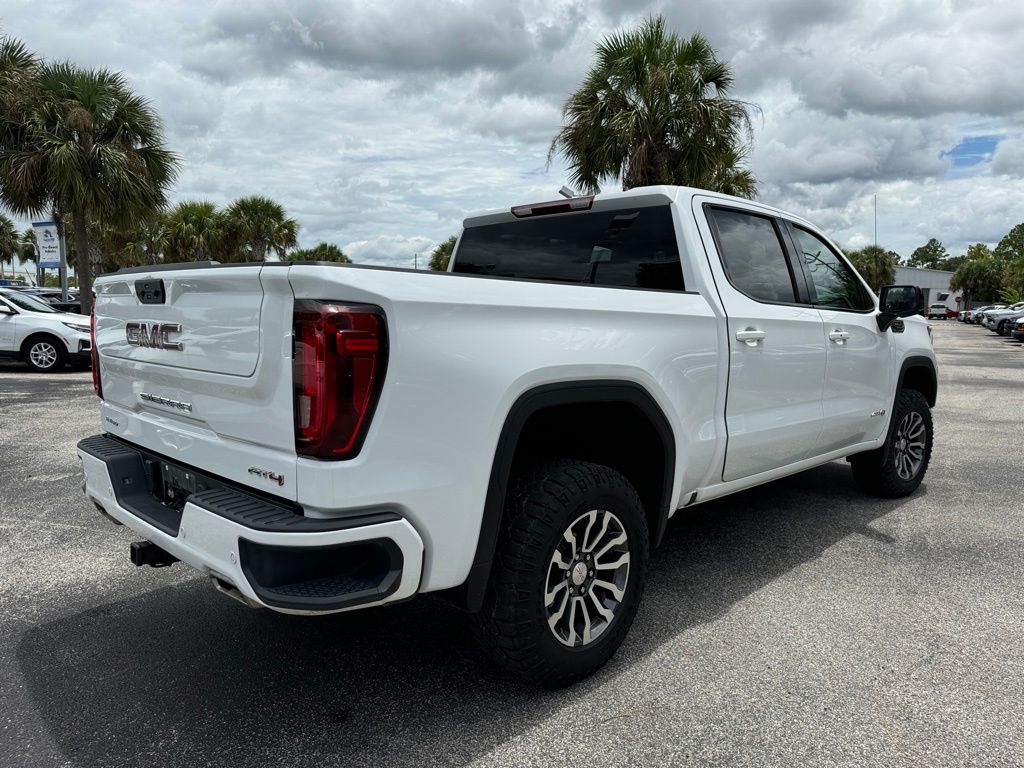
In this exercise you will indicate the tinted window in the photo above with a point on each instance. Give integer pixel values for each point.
(29, 303)
(631, 248)
(753, 256)
(835, 284)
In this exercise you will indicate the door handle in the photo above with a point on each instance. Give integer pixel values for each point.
(839, 336)
(750, 336)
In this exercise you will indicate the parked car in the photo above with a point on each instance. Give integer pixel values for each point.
(937, 312)
(994, 318)
(524, 424)
(1018, 330)
(55, 297)
(979, 315)
(961, 316)
(44, 337)
(1005, 323)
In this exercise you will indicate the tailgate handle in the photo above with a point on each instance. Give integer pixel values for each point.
(150, 291)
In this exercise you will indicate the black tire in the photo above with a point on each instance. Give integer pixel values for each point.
(879, 472)
(44, 353)
(543, 505)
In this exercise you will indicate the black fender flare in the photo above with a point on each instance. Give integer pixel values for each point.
(527, 404)
(919, 361)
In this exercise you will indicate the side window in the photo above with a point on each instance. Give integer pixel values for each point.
(835, 284)
(752, 255)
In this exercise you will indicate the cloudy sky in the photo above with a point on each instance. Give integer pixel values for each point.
(380, 123)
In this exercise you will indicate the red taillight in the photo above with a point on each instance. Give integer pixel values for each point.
(338, 369)
(96, 383)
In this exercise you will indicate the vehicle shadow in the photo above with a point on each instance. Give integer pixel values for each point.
(184, 676)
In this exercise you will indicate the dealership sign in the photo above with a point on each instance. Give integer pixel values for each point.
(48, 240)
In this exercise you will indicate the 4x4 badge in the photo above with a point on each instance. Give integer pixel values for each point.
(266, 474)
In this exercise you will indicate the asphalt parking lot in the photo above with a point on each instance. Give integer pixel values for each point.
(799, 624)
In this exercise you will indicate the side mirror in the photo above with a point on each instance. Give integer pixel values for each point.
(5, 310)
(898, 301)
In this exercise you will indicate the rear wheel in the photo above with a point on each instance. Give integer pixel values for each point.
(568, 573)
(898, 467)
(44, 354)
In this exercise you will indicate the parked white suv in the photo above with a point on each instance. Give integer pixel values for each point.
(45, 338)
(514, 434)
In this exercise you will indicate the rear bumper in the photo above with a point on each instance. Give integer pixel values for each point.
(260, 552)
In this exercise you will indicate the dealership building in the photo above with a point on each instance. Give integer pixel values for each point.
(934, 283)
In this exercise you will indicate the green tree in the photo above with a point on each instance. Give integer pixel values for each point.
(320, 252)
(19, 91)
(929, 256)
(979, 277)
(194, 231)
(10, 243)
(146, 241)
(257, 224)
(1009, 255)
(951, 263)
(92, 149)
(653, 109)
(27, 243)
(442, 254)
(876, 265)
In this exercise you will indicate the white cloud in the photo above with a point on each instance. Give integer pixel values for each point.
(380, 125)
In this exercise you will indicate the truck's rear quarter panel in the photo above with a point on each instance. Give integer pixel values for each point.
(462, 350)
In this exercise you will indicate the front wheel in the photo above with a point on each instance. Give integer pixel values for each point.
(44, 354)
(898, 467)
(568, 574)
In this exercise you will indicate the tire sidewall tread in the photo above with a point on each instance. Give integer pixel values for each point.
(512, 624)
(875, 472)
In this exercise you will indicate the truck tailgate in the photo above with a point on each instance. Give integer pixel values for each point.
(195, 364)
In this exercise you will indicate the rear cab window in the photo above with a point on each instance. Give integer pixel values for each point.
(627, 248)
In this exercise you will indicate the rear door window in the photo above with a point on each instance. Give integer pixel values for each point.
(627, 248)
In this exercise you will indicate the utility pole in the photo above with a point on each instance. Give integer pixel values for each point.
(876, 221)
(416, 261)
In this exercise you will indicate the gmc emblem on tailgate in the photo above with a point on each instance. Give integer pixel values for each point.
(152, 335)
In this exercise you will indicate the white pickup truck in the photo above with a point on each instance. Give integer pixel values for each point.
(514, 433)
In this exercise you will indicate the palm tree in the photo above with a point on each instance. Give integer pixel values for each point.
(19, 70)
(258, 224)
(442, 254)
(147, 240)
(27, 245)
(10, 243)
(92, 149)
(653, 110)
(320, 252)
(876, 265)
(194, 230)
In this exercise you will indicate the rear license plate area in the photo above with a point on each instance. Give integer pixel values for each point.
(173, 484)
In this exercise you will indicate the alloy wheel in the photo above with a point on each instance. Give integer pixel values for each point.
(587, 578)
(43, 354)
(908, 453)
